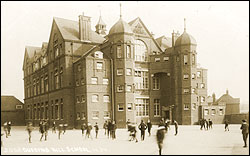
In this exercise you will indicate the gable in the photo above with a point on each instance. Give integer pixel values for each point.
(139, 28)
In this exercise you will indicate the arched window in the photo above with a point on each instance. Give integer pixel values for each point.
(141, 53)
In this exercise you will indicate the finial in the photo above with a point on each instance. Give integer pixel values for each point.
(185, 24)
(120, 10)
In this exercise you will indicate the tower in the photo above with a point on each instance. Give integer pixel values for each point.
(101, 26)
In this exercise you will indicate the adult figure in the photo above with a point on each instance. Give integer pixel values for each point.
(5, 127)
(176, 127)
(105, 127)
(46, 126)
(9, 127)
(42, 129)
(226, 125)
(113, 130)
(83, 128)
(245, 130)
(88, 132)
(60, 130)
(149, 125)
(54, 127)
(210, 123)
(96, 129)
(160, 134)
(142, 127)
(109, 129)
(29, 128)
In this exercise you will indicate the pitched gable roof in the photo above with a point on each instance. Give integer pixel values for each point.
(70, 30)
(8, 103)
(228, 99)
(150, 35)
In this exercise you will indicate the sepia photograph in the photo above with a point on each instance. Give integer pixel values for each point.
(124, 77)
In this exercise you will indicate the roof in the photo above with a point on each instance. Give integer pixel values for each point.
(70, 30)
(31, 50)
(120, 26)
(8, 103)
(228, 99)
(83, 50)
(100, 22)
(185, 39)
(164, 42)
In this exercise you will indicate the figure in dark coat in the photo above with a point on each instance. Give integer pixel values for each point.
(42, 129)
(245, 131)
(113, 130)
(105, 127)
(83, 128)
(9, 128)
(46, 126)
(160, 134)
(54, 127)
(226, 125)
(210, 123)
(96, 129)
(109, 129)
(176, 127)
(88, 133)
(142, 127)
(149, 125)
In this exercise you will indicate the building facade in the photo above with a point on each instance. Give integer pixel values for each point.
(82, 75)
(12, 110)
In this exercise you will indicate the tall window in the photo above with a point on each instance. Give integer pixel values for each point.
(34, 86)
(52, 110)
(61, 109)
(185, 59)
(46, 83)
(142, 107)
(156, 83)
(186, 106)
(119, 51)
(61, 77)
(199, 74)
(56, 80)
(42, 85)
(56, 110)
(156, 107)
(206, 111)
(213, 112)
(202, 99)
(141, 53)
(95, 114)
(38, 86)
(202, 85)
(221, 111)
(130, 106)
(105, 81)
(46, 110)
(141, 79)
(193, 76)
(193, 59)
(128, 51)
(106, 115)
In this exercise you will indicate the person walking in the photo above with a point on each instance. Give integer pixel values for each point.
(149, 125)
(88, 132)
(83, 128)
(46, 128)
(113, 130)
(210, 123)
(206, 124)
(60, 130)
(105, 127)
(5, 127)
(142, 127)
(96, 130)
(9, 128)
(54, 127)
(176, 127)
(109, 129)
(160, 134)
(226, 125)
(65, 126)
(29, 128)
(42, 129)
(245, 130)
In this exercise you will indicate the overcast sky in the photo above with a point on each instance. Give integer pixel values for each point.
(221, 30)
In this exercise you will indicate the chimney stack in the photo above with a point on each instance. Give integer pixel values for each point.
(214, 98)
(174, 37)
(84, 28)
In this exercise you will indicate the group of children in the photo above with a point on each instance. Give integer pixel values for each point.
(206, 124)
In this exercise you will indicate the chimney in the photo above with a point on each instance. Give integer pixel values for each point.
(227, 91)
(84, 28)
(214, 98)
(174, 37)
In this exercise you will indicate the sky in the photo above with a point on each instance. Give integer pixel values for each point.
(221, 30)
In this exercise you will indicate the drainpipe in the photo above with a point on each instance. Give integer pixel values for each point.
(112, 89)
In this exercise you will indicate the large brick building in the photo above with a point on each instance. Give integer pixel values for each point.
(82, 75)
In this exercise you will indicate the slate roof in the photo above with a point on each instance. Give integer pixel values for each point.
(228, 99)
(70, 30)
(120, 26)
(185, 39)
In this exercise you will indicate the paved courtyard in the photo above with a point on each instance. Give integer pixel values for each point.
(189, 141)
